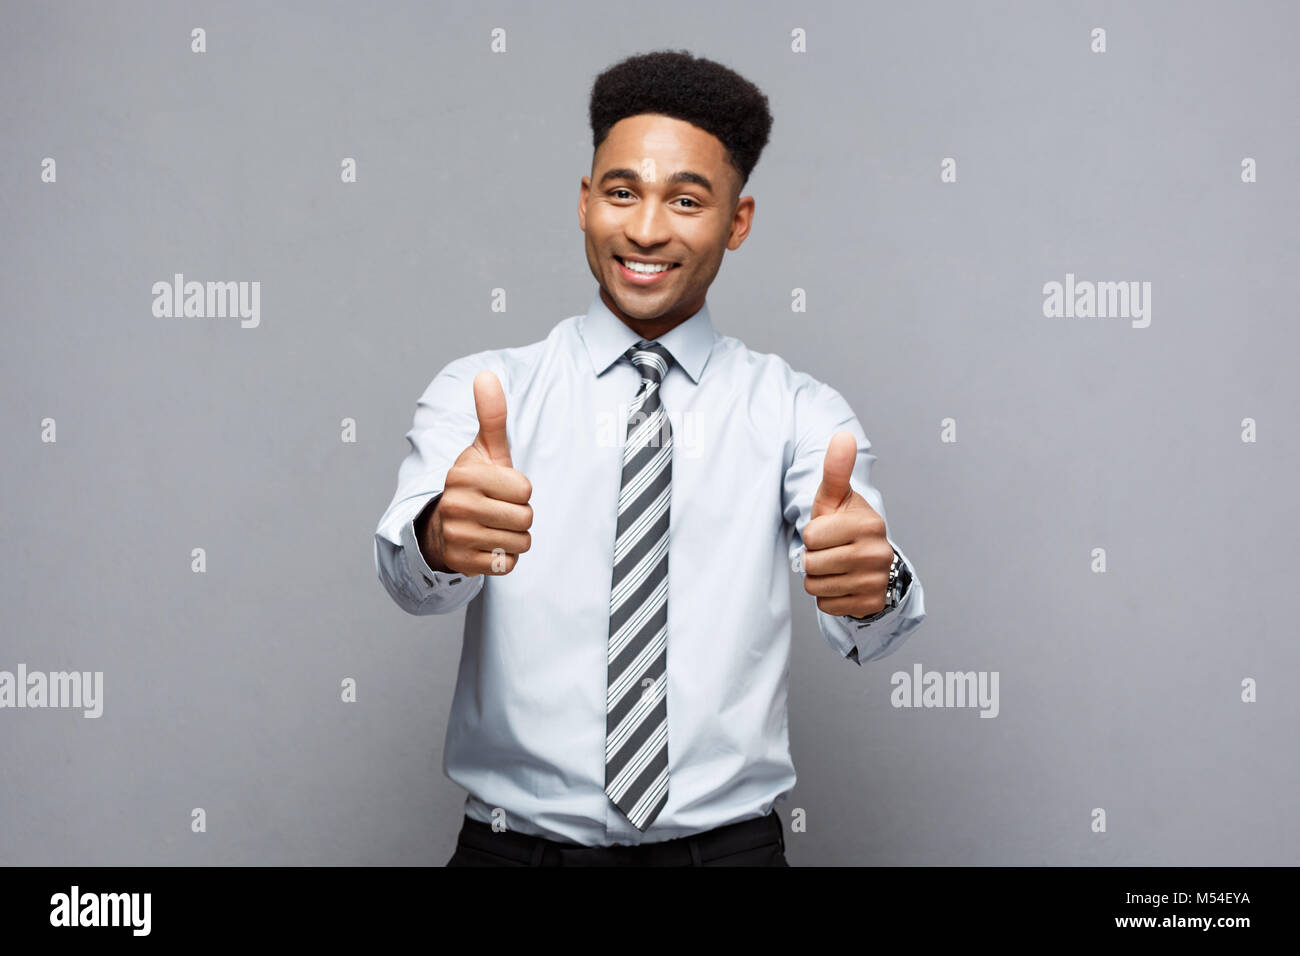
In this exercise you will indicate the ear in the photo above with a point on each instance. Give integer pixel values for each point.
(583, 191)
(741, 221)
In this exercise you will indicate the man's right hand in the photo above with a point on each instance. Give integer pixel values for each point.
(480, 524)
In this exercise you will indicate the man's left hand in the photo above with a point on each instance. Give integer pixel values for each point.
(847, 557)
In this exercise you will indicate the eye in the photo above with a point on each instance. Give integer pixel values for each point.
(690, 200)
(614, 192)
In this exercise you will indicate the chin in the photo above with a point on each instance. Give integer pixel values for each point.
(637, 308)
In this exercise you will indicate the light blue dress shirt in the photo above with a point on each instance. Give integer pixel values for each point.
(526, 734)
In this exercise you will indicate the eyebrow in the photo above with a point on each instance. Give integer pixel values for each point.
(681, 176)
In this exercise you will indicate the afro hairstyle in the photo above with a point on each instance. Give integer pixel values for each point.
(700, 91)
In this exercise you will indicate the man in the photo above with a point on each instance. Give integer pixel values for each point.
(617, 505)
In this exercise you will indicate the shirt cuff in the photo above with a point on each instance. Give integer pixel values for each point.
(851, 637)
(426, 580)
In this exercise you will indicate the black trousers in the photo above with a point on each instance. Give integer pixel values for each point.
(756, 842)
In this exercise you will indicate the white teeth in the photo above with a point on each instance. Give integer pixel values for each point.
(645, 267)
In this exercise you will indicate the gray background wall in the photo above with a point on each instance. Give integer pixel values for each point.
(1118, 690)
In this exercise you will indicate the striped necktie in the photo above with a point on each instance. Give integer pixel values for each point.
(636, 726)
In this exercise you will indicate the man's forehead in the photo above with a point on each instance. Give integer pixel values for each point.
(654, 131)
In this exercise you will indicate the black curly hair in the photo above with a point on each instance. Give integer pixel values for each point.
(700, 91)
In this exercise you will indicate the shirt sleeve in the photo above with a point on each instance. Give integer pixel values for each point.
(819, 412)
(445, 424)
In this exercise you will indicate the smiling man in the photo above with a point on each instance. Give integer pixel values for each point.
(621, 696)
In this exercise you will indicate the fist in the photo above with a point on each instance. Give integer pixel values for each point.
(847, 557)
(480, 524)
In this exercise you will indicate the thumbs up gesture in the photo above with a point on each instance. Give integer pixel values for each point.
(480, 524)
(847, 557)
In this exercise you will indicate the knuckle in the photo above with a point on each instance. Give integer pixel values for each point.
(456, 475)
(447, 504)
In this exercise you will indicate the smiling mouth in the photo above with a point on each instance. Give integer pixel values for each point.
(672, 265)
(655, 272)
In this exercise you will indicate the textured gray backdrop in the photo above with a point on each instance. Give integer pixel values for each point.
(1118, 690)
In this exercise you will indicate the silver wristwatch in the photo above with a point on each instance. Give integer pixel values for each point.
(899, 578)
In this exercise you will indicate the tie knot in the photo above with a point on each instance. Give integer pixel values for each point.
(651, 359)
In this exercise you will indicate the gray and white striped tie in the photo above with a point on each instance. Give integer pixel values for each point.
(636, 726)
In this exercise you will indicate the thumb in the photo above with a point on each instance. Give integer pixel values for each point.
(841, 453)
(490, 407)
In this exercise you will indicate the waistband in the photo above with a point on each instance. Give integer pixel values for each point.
(685, 851)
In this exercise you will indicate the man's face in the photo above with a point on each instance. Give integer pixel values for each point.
(662, 190)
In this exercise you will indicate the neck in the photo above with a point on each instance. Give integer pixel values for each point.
(651, 329)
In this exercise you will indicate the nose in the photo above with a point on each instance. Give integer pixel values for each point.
(646, 225)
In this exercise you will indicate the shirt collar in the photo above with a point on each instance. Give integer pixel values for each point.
(607, 337)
